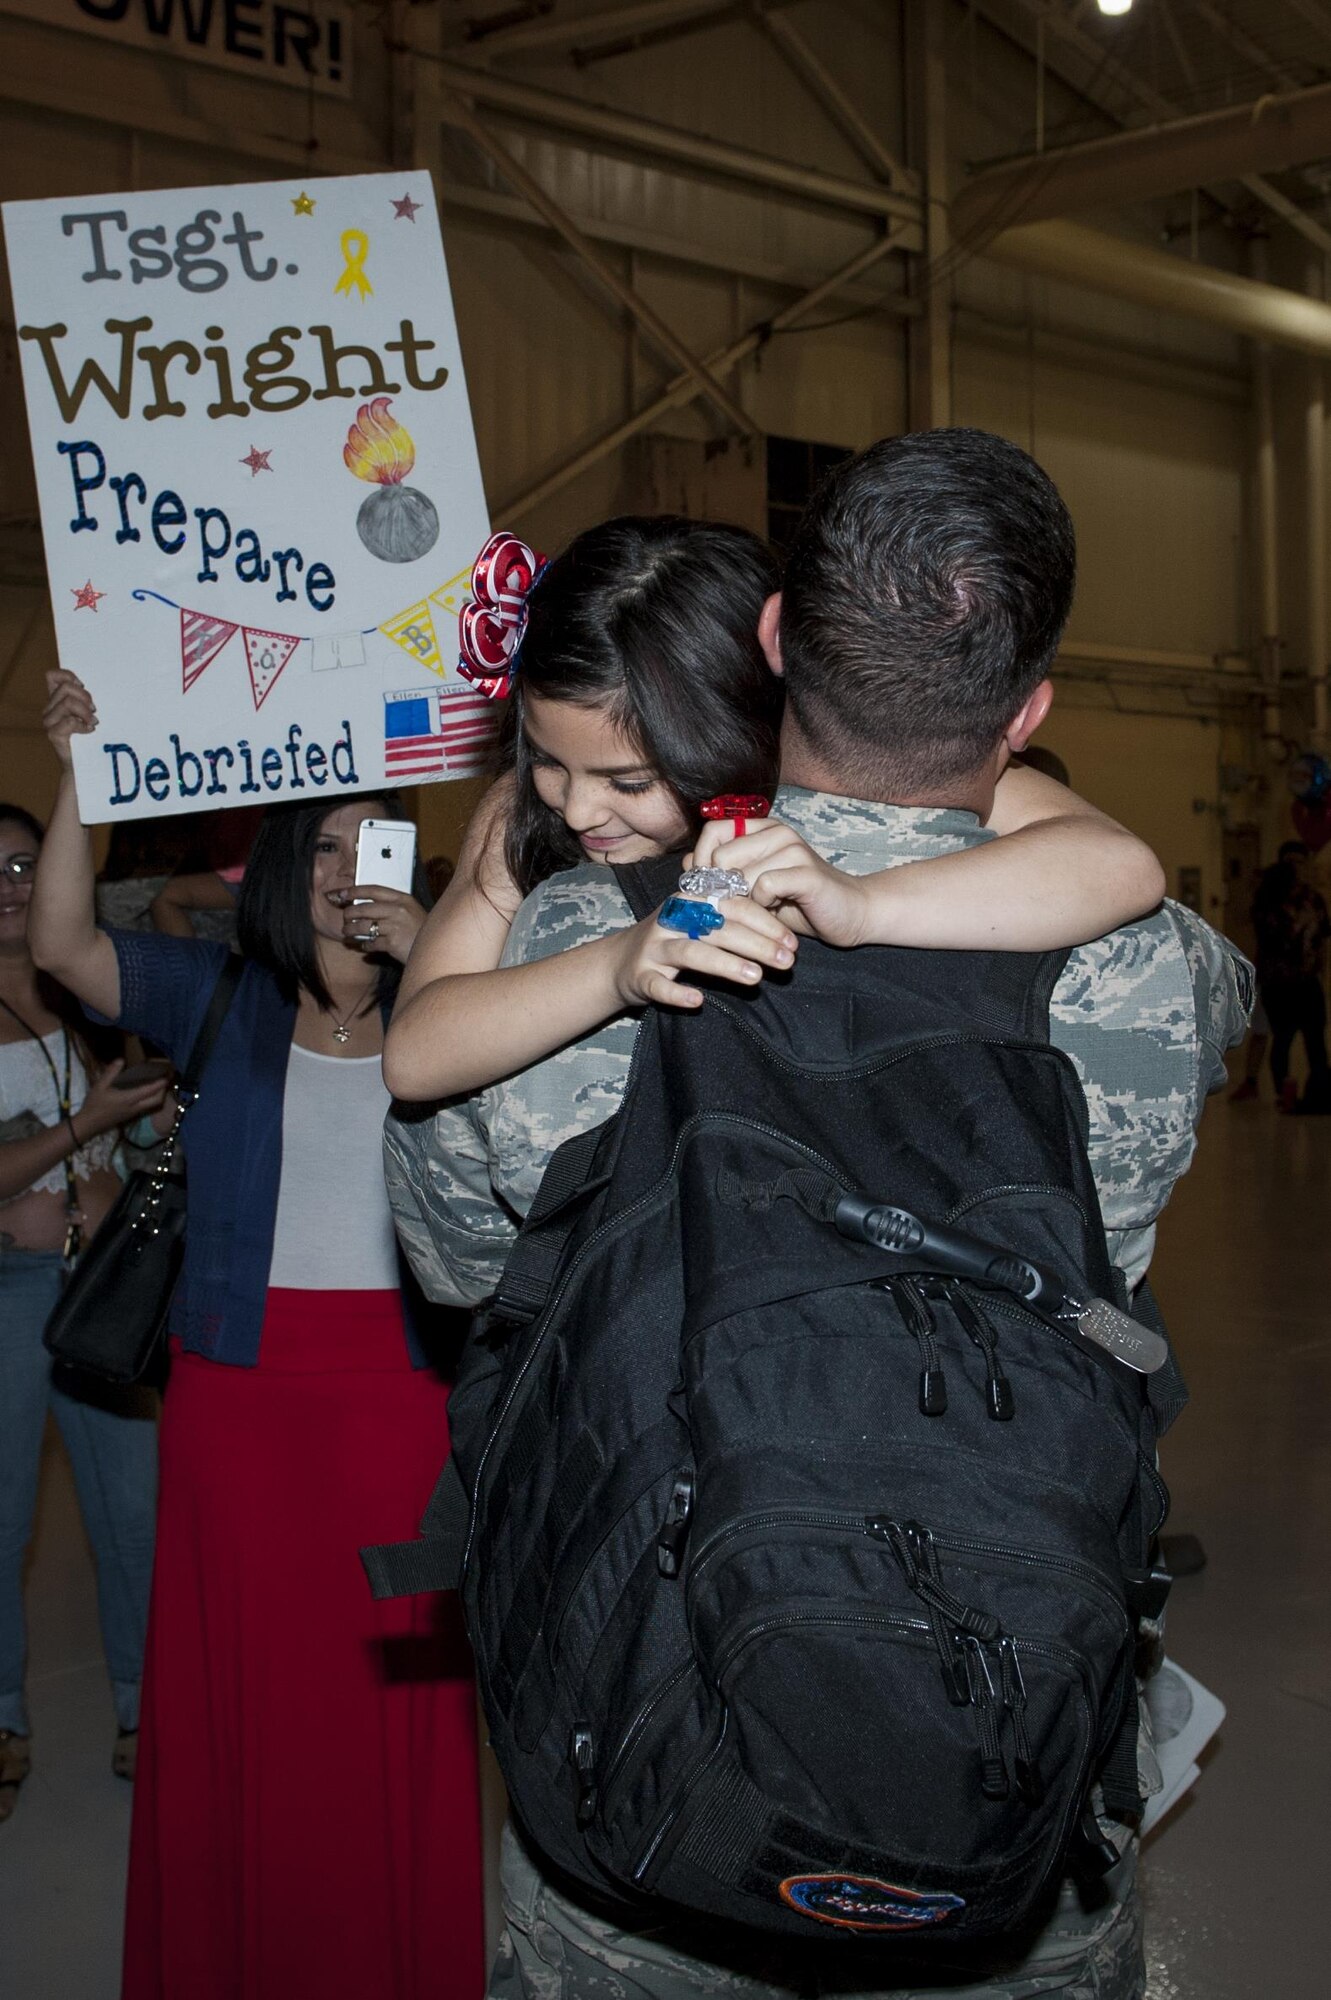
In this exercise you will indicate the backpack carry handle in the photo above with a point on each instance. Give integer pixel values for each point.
(960, 1255)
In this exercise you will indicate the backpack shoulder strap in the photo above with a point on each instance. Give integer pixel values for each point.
(524, 1287)
(434, 1561)
(646, 884)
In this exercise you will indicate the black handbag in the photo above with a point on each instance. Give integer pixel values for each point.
(110, 1320)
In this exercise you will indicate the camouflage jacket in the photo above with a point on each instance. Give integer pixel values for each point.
(1145, 1015)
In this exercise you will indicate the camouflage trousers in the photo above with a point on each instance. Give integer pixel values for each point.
(552, 1949)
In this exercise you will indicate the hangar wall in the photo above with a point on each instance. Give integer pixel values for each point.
(1143, 418)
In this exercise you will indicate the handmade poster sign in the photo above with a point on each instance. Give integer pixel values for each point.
(259, 487)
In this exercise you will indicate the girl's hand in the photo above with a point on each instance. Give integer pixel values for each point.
(105, 1107)
(396, 916)
(651, 959)
(784, 874)
(68, 712)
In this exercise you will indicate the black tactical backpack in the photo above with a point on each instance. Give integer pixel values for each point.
(805, 1520)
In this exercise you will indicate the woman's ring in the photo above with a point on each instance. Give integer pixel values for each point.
(691, 918)
(373, 931)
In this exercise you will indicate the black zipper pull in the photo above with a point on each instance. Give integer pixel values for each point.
(1029, 1782)
(915, 1309)
(993, 1770)
(675, 1528)
(999, 1401)
(951, 1621)
(584, 1765)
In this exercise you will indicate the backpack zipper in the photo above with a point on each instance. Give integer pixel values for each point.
(856, 1523)
(629, 1741)
(994, 1781)
(950, 1621)
(913, 1305)
(1017, 1187)
(999, 1399)
(1030, 1783)
(697, 1770)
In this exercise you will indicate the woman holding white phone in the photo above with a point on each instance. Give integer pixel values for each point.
(306, 1815)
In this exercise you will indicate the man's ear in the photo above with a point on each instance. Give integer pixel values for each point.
(769, 633)
(1028, 719)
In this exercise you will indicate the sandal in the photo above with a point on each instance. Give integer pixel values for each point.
(125, 1756)
(15, 1764)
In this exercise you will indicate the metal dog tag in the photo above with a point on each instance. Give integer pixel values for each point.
(1130, 1342)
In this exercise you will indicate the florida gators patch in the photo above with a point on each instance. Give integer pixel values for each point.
(862, 1903)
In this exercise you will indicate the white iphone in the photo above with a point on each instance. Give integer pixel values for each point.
(386, 854)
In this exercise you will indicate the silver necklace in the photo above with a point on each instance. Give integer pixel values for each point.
(342, 1029)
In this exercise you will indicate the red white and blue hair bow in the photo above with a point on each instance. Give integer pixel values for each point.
(491, 625)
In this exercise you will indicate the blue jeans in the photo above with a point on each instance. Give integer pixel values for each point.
(111, 1438)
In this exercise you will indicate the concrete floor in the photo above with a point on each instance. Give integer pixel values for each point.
(1236, 1875)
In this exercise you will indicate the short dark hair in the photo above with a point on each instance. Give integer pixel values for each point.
(20, 816)
(273, 922)
(925, 594)
(655, 619)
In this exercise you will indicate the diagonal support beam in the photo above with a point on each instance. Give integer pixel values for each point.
(814, 74)
(562, 30)
(1315, 13)
(633, 302)
(1234, 37)
(683, 389)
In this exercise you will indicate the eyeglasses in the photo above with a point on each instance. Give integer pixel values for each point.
(22, 867)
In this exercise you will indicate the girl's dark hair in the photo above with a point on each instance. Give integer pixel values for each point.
(654, 619)
(273, 922)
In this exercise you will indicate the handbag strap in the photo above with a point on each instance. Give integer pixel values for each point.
(223, 993)
(187, 1089)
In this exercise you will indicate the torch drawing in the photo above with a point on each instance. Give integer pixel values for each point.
(395, 522)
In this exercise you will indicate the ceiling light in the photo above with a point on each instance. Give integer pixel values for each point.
(1114, 6)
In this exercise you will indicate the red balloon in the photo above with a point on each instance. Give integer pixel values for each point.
(1312, 823)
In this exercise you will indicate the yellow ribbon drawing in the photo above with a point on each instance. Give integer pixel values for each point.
(355, 248)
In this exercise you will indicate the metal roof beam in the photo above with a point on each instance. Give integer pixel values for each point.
(1139, 165)
(560, 31)
(1152, 100)
(688, 152)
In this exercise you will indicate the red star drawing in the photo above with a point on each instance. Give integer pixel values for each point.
(86, 599)
(257, 460)
(406, 207)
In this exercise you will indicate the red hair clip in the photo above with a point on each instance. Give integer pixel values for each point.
(738, 806)
(491, 625)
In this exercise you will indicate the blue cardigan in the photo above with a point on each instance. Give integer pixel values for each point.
(232, 1137)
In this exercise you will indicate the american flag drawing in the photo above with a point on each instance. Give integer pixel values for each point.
(429, 733)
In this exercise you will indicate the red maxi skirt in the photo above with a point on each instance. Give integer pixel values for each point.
(306, 1812)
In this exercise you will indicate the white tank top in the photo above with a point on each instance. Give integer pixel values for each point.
(26, 1084)
(334, 1226)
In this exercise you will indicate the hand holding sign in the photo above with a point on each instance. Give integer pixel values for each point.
(69, 712)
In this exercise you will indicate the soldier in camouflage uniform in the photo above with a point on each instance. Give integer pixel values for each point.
(1145, 1015)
